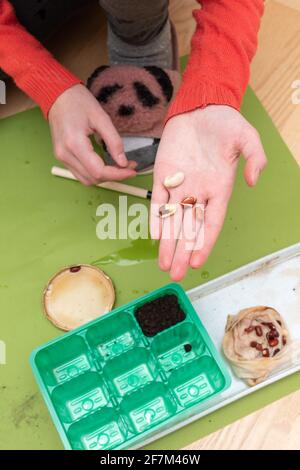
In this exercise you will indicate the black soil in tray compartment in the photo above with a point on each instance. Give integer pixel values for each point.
(159, 314)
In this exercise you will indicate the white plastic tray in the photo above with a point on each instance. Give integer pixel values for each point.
(274, 281)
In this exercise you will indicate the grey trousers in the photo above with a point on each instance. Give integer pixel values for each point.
(136, 22)
(139, 32)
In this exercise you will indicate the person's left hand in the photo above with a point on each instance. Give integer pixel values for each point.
(205, 145)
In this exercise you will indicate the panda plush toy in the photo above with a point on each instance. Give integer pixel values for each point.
(137, 100)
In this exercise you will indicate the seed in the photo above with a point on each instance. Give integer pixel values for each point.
(188, 201)
(187, 347)
(284, 340)
(272, 335)
(75, 269)
(266, 352)
(279, 322)
(269, 325)
(258, 330)
(249, 329)
(166, 210)
(259, 347)
(174, 180)
(276, 352)
(273, 342)
(253, 344)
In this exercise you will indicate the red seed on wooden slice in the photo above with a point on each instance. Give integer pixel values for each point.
(259, 347)
(284, 340)
(276, 352)
(253, 344)
(75, 269)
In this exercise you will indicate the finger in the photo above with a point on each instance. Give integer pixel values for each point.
(80, 177)
(104, 127)
(132, 164)
(255, 157)
(185, 245)
(71, 162)
(214, 216)
(81, 148)
(75, 165)
(159, 197)
(107, 174)
(94, 165)
(111, 173)
(170, 232)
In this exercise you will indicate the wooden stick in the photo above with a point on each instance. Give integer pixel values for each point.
(111, 185)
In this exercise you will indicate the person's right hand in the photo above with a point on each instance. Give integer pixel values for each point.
(205, 144)
(74, 116)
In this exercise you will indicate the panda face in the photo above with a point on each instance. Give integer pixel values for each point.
(136, 98)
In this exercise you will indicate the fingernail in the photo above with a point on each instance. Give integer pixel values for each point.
(133, 164)
(122, 160)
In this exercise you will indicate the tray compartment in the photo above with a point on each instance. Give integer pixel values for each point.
(131, 370)
(63, 361)
(196, 381)
(81, 396)
(102, 430)
(150, 314)
(113, 335)
(179, 344)
(148, 407)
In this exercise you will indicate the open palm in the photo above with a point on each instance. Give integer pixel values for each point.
(205, 145)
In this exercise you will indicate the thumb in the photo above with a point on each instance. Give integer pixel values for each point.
(254, 155)
(107, 131)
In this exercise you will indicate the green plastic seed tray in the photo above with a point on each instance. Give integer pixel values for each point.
(119, 381)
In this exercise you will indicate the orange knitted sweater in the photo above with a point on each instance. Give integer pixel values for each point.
(217, 71)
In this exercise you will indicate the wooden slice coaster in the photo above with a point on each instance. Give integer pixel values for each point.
(77, 295)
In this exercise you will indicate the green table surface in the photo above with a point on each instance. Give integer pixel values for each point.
(48, 223)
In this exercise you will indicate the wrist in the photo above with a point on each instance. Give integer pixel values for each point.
(192, 96)
(46, 83)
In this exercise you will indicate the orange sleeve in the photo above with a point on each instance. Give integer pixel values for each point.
(31, 66)
(223, 46)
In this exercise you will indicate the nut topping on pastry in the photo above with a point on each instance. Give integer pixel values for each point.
(258, 330)
(266, 352)
(249, 329)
